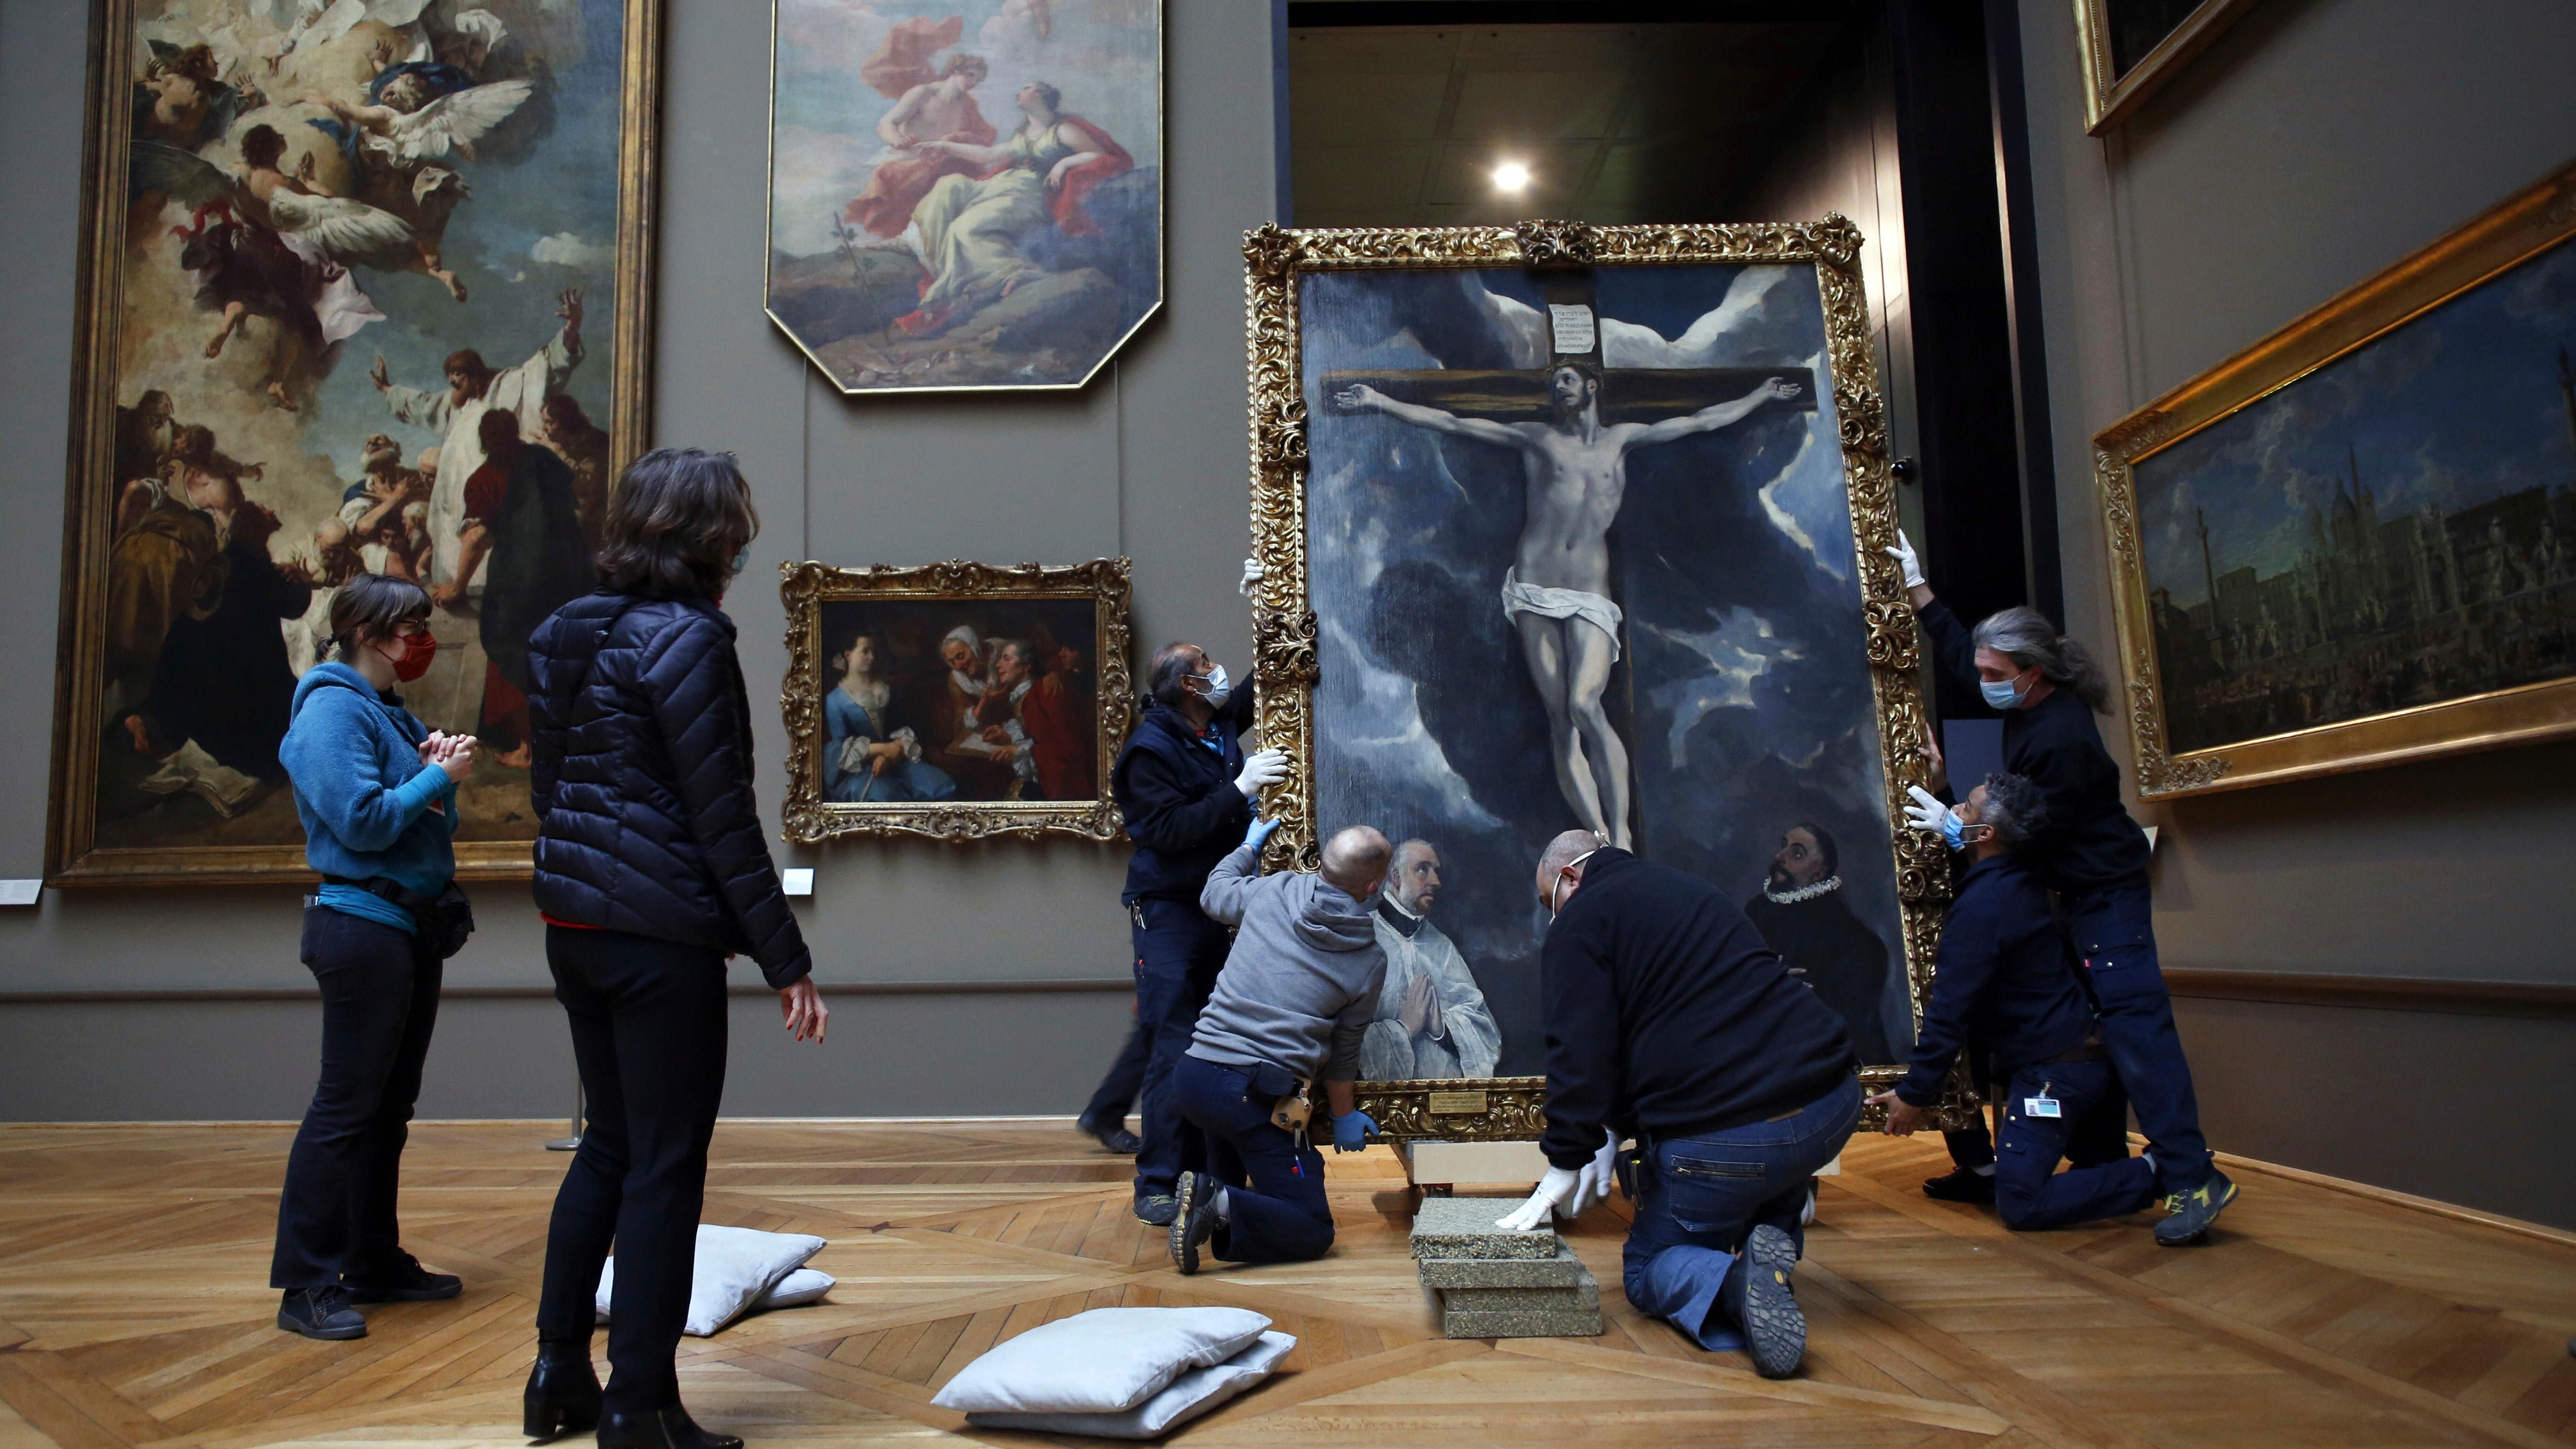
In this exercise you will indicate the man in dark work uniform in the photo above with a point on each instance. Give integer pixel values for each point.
(1802, 914)
(1669, 1020)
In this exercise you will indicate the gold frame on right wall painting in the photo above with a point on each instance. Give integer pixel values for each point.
(2112, 91)
(2353, 544)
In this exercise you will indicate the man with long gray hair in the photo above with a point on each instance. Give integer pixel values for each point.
(2095, 857)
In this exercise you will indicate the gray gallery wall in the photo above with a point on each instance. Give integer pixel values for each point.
(184, 998)
(2316, 143)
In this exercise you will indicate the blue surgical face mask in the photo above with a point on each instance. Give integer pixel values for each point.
(742, 560)
(2001, 693)
(1952, 831)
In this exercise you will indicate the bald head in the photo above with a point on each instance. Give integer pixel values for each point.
(1356, 860)
(1563, 851)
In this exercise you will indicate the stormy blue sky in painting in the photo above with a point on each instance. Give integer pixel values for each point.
(1745, 694)
(2459, 406)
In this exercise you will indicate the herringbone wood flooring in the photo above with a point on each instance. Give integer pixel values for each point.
(133, 1311)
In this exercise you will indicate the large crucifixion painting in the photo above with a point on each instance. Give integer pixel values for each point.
(1579, 546)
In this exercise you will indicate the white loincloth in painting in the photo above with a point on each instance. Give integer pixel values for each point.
(1520, 598)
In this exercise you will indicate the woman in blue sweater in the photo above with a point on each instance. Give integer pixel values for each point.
(376, 791)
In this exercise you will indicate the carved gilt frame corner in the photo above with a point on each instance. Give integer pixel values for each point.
(2522, 226)
(806, 587)
(1286, 665)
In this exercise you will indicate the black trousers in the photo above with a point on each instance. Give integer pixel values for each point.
(1116, 1095)
(648, 1032)
(336, 1219)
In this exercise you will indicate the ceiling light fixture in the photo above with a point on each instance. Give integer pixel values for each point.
(1511, 176)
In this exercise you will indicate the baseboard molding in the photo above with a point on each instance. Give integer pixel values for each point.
(2377, 993)
(2391, 1196)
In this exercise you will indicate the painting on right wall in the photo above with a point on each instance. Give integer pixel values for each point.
(2356, 542)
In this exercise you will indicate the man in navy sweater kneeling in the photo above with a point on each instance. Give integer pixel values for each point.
(1669, 1019)
(2005, 976)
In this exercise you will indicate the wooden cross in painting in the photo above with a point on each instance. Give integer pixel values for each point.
(1573, 425)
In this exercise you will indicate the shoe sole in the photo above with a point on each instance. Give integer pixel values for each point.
(1185, 1254)
(2200, 1234)
(1775, 1328)
(325, 1335)
(554, 1421)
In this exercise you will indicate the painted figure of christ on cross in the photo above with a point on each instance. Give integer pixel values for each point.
(1556, 594)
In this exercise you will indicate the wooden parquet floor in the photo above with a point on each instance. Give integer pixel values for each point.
(133, 1311)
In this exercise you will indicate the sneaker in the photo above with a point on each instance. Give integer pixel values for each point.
(410, 1283)
(322, 1313)
(1757, 1291)
(1112, 1135)
(2195, 1210)
(1157, 1208)
(1961, 1186)
(1195, 1221)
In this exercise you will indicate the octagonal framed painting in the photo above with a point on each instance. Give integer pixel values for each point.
(964, 195)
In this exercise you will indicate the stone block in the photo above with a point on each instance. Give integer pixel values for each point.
(1562, 1271)
(1463, 1227)
(1522, 1323)
(1584, 1297)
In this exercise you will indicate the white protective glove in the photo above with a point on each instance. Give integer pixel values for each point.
(1903, 553)
(1555, 1192)
(1253, 574)
(1927, 812)
(1263, 768)
(1593, 1180)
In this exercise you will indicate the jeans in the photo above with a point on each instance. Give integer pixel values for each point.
(2027, 1196)
(1179, 951)
(1274, 1190)
(648, 1033)
(1117, 1092)
(336, 1219)
(2117, 939)
(1702, 1195)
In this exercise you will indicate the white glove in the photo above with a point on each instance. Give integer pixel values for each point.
(1593, 1180)
(1253, 573)
(1555, 1192)
(1927, 812)
(1263, 768)
(1903, 553)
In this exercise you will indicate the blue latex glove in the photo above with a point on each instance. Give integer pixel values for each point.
(1259, 832)
(1350, 1134)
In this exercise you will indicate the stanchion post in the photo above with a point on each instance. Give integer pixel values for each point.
(568, 1144)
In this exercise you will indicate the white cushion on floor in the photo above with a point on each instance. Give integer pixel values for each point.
(1185, 1398)
(1106, 1361)
(805, 1285)
(737, 1267)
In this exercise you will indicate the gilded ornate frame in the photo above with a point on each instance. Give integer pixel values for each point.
(806, 587)
(1162, 244)
(2520, 227)
(72, 856)
(2109, 96)
(1284, 625)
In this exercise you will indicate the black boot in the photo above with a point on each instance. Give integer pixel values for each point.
(563, 1389)
(670, 1428)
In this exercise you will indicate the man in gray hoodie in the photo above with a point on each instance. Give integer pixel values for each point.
(1291, 1006)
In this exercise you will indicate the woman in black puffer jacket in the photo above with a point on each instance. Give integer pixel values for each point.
(652, 871)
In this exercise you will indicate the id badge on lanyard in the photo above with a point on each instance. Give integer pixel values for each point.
(2042, 1105)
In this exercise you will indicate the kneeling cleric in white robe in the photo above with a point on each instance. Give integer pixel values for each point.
(1432, 1021)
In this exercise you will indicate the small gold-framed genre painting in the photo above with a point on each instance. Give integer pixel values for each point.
(2132, 47)
(2354, 543)
(366, 288)
(1568, 526)
(956, 700)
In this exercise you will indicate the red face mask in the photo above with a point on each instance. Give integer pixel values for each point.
(418, 650)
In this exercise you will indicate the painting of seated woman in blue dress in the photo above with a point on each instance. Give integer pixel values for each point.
(868, 757)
